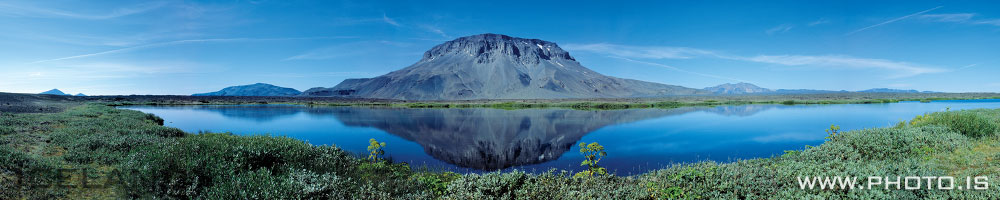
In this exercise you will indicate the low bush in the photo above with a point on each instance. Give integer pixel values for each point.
(159, 162)
(972, 123)
(28, 176)
(550, 185)
(183, 168)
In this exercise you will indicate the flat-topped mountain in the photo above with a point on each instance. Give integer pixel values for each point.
(258, 89)
(738, 88)
(493, 66)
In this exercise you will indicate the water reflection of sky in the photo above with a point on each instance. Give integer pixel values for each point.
(636, 140)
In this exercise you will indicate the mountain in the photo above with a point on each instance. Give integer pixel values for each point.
(806, 91)
(54, 92)
(258, 89)
(738, 88)
(887, 90)
(80, 95)
(493, 66)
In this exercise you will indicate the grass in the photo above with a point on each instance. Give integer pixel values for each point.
(612, 105)
(139, 158)
(584, 104)
(648, 103)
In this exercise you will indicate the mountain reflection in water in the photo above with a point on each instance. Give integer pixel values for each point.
(479, 138)
(486, 139)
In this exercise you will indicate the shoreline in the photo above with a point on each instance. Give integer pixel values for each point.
(943, 138)
(572, 104)
(31, 102)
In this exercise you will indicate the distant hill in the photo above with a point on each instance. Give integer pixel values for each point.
(54, 92)
(80, 95)
(887, 90)
(747, 88)
(494, 66)
(738, 88)
(258, 89)
(806, 91)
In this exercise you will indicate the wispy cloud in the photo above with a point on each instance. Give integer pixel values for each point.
(83, 77)
(639, 51)
(899, 69)
(435, 30)
(325, 74)
(680, 70)
(892, 20)
(995, 22)
(899, 85)
(99, 70)
(955, 17)
(965, 18)
(178, 42)
(31, 11)
(819, 22)
(390, 21)
(968, 66)
(896, 69)
(348, 50)
(779, 29)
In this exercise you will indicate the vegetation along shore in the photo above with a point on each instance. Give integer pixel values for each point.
(53, 103)
(91, 150)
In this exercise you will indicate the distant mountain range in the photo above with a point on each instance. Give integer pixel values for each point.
(747, 88)
(54, 92)
(494, 66)
(887, 90)
(258, 89)
(738, 88)
(58, 92)
(263, 89)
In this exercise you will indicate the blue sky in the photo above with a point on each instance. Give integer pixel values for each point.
(184, 47)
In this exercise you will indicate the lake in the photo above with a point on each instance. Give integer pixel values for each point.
(484, 139)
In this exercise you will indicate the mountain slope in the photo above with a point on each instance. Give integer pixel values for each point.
(493, 66)
(738, 88)
(258, 89)
(54, 92)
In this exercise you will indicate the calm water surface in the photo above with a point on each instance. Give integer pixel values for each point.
(484, 139)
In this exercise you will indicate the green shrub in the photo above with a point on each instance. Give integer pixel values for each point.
(593, 153)
(668, 104)
(182, 169)
(972, 123)
(832, 132)
(27, 176)
(550, 185)
(163, 162)
(375, 151)
(436, 182)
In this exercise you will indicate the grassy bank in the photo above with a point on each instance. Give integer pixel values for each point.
(586, 104)
(570, 104)
(130, 155)
(601, 105)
